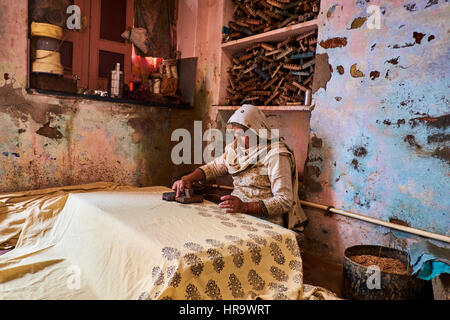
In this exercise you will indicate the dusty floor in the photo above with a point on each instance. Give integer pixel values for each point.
(319, 272)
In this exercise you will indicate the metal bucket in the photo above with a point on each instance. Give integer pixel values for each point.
(360, 282)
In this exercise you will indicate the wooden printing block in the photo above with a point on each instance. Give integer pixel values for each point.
(273, 14)
(284, 53)
(275, 4)
(242, 24)
(265, 4)
(298, 85)
(253, 21)
(246, 57)
(270, 98)
(270, 83)
(283, 43)
(308, 64)
(272, 52)
(193, 199)
(292, 67)
(261, 74)
(308, 79)
(250, 10)
(261, 93)
(306, 35)
(251, 88)
(291, 5)
(263, 15)
(243, 8)
(287, 21)
(267, 46)
(250, 68)
(302, 55)
(169, 196)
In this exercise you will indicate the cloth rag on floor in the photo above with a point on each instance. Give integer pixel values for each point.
(429, 260)
(127, 243)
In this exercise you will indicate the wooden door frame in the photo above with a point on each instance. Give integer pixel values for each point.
(80, 42)
(96, 43)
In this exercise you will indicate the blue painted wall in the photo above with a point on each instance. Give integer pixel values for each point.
(380, 133)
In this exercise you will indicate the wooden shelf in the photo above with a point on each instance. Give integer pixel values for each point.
(270, 108)
(281, 34)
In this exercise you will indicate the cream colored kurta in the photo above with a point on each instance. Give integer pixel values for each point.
(268, 182)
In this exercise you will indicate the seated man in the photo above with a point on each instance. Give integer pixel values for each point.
(263, 168)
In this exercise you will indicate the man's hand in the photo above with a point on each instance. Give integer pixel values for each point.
(233, 204)
(179, 185)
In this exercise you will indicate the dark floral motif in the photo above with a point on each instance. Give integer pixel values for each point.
(295, 265)
(215, 243)
(171, 271)
(176, 279)
(292, 246)
(195, 263)
(166, 298)
(223, 218)
(275, 235)
(244, 221)
(228, 224)
(249, 228)
(277, 287)
(255, 252)
(205, 214)
(276, 253)
(213, 290)
(144, 296)
(192, 293)
(170, 253)
(278, 274)
(238, 255)
(157, 276)
(255, 280)
(235, 286)
(234, 239)
(252, 295)
(264, 225)
(297, 278)
(194, 246)
(258, 239)
(217, 257)
(280, 296)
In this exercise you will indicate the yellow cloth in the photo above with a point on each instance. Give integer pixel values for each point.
(126, 243)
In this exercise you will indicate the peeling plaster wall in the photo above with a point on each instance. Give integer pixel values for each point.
(379, 142)
(48, 141)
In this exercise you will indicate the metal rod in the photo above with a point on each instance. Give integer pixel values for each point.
(391, 225)
(380, 222)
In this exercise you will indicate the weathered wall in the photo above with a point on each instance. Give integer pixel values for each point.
(379, 141)
(49, 141)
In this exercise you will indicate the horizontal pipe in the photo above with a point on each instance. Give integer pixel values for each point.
(391, 225)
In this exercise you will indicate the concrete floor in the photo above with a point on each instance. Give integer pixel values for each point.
(320, 272)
